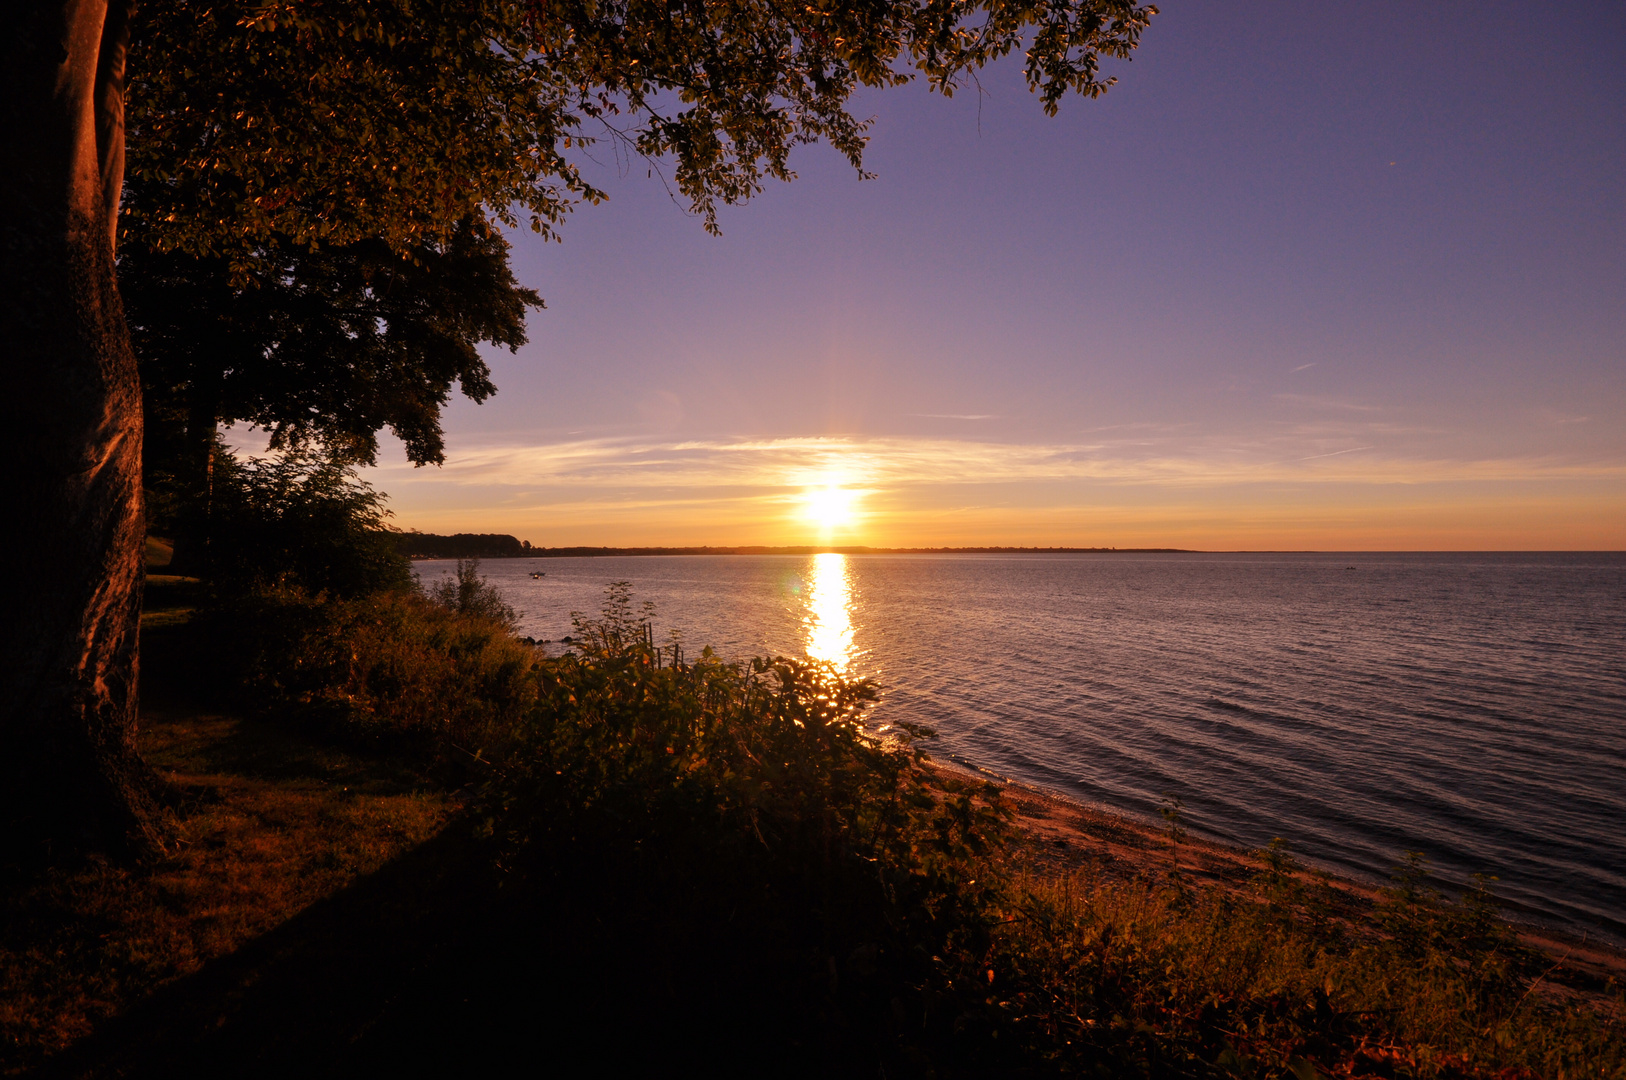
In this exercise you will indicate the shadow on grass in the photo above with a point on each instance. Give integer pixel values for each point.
(183, 728)
(437, 962)
(440, 963)
(436, 965)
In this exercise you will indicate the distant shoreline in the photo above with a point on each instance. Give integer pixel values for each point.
(600, 552)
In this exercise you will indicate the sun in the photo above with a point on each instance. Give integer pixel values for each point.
(831, 507)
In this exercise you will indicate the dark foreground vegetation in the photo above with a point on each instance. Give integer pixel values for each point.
(403, 839)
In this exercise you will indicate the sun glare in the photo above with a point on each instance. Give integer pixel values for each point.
(831, 507)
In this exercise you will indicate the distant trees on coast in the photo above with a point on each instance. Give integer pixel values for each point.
(419, 545)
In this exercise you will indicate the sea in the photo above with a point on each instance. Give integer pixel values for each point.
(1470, 707)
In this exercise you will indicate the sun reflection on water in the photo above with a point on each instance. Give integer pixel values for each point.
(828, 620)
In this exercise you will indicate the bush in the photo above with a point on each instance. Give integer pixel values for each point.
(737, 828)
(390, 666)
(302, 519)
(467, 593)
(768, 755)
(752, 789)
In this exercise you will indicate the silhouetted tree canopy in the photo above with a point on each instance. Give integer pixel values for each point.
(342, 120)
(330, 344)
(419, 545)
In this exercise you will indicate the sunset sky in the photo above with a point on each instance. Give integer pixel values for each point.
(1336, 276)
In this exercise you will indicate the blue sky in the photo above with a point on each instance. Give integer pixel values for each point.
(1311, 276)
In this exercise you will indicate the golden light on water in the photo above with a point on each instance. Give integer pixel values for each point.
(828, 621)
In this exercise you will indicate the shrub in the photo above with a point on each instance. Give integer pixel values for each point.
(390, 665)
(753, 790)
(468, 593)
(300, 519)
(767, 755)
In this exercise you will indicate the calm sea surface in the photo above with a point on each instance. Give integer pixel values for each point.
(1471, 707)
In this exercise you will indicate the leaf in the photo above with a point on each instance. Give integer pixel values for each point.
(1303, 1069)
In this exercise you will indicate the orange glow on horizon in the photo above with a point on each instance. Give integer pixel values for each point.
(894, 492)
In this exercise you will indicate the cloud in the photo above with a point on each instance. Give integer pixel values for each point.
(1302, 367)
(633, 471)
(1335, 453)
(1313, 401)
(956, 416)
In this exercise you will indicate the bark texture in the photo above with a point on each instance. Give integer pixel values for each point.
(69, 771)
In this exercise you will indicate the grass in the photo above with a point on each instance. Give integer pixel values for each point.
(1206, 981)
(266, 822)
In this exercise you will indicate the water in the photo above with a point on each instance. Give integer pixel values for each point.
(1471, 707)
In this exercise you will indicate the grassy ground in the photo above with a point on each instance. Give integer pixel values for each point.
(330, 915)
(267, 822)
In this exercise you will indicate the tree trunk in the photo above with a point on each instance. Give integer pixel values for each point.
(70, 775)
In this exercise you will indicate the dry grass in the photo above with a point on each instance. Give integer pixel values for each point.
(1280, 982)
(265, 824)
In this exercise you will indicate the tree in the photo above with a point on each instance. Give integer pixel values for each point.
(325, 345)
(286, 124)
(303, 519)
(72, 420)
(320, 318)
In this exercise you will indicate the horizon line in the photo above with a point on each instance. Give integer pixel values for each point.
(599, 551)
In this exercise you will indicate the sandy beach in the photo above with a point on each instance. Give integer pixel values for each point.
(1069, 837)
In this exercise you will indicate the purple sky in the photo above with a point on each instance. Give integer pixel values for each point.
(1312, 275)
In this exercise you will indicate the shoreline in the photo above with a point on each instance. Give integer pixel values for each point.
(804, 549)
(1067, 835)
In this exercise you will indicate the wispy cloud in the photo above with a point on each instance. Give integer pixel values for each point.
(1302, 367)
(634, 470)
(1314, 401)
(1335, 453)
(956, 416)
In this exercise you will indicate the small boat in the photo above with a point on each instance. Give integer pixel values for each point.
(538, 574)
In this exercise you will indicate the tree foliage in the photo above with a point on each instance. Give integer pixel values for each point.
(333, 121)
(304, 520)
(305, 247)
(314, 184)
(329, 344)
